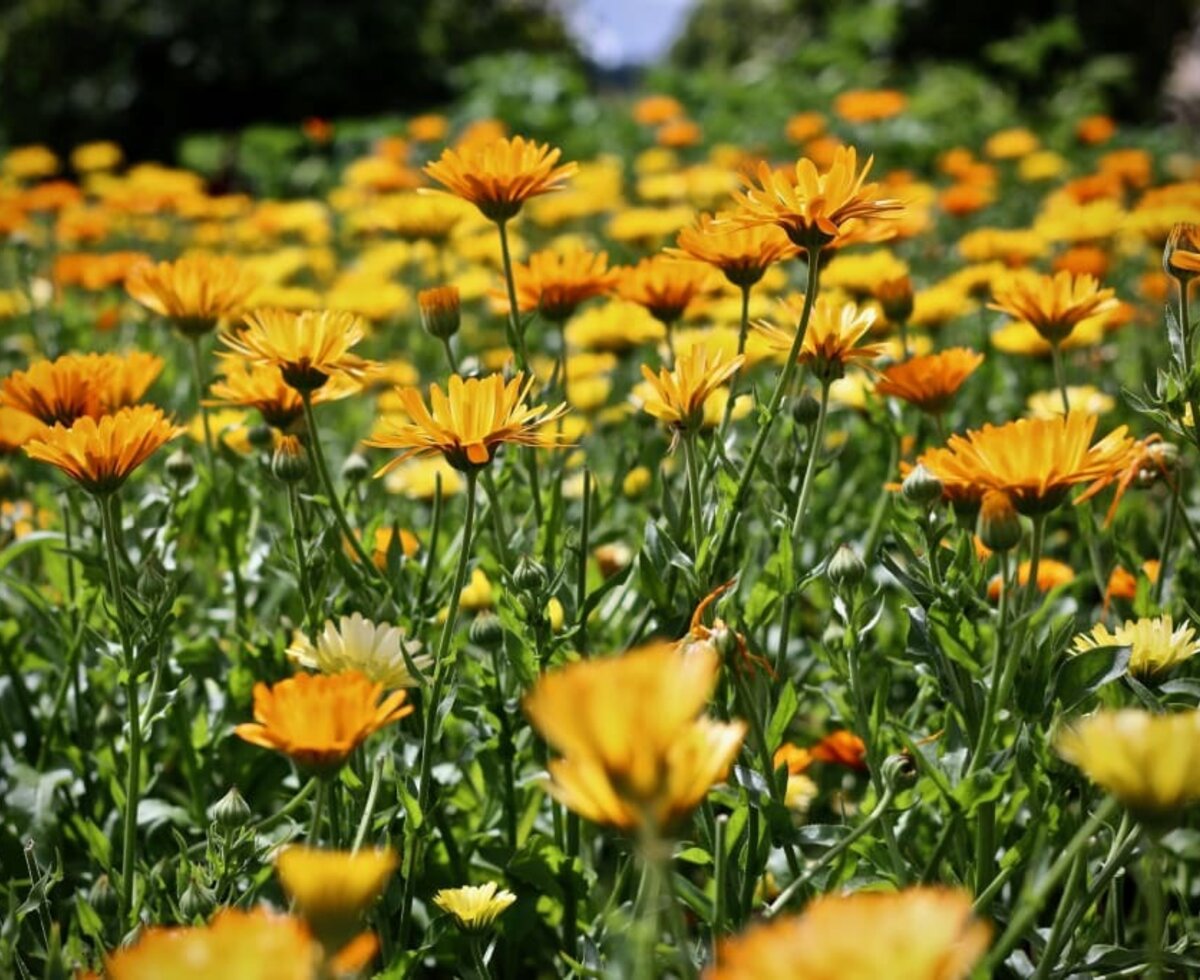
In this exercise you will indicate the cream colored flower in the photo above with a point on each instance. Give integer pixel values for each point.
(474, 906)
(1156, 645)
(355, 643)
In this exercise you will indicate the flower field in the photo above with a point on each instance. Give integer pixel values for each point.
(692, 560)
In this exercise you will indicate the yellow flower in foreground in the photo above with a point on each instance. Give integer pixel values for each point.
(680, 394)
(830, 343)
(308, 348)
(1053, 305)
(635, 751)
(318, 720)
(1155, 645)
(193, 292)
(100, 455)
(474, 906)
(468, 423)
(915, 934)
(1150, 763)
(332, 889)
(356, 643)
(74, 385)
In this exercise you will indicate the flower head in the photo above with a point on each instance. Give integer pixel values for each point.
(664, 286)
(376, 650)
(916, 934)
(332, 889)
(1053, 305)
(16, 428)
(830, 343)
(308, 348)
(635, 752)
(1181, 254)
(77, 385)
(554, 284)
(1155, 645)
(811, 206)
(467, 423)
(870, 105)
(499, 176)
(194, 292)
(742, 254)
(929, 381)
(317, 720)
(247, 385)
(474, 907)
(100, 455)
(1149, 762)
(680, 393)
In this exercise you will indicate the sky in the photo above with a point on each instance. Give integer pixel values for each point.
(626, 32)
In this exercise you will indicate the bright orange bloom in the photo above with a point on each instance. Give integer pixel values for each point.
(870, 105)
(468, 423)
(1034, 461)
(261, 387)
(309, 348)
(95, 270)
(742, 254)
(842, 748)
(1051, 574)
(1054, 305)
(663, 285)
(929, 381)
(500, 176)
(962, 199)
(811, 206)
(654, 110)
(681, 392)
(100, 455)
(804, 126)
(834, 330)
(78, 385)
(317, 720)
(796, 759)
(555, 283)
(1095, 129)
(193, 292)
(679, 133)
(1181, 255)
(16, 428)
(719, 636)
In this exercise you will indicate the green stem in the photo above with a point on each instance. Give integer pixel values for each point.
(306, 592)
(364, 823)
(992, 699)
(693, 481)
(1066, 905)
(1152, 887)
(434, 534)
(516, 331)
(1165, 548)
(581, 571)
(743, 333)
(1060, 376)
(1035, 559)
(810, 468)
(318, 811)
(450, 355)
(497, 513)
(719, 883)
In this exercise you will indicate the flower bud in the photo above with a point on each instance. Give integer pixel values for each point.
(921, 487)
(290, 462)
(487, 631)
(103, 897)
(261, 436)
(152, 579)
(196, 901)
(529, 575)
(355, 469)
(845, 569)
(231, 811)
(180, 467)
(1181, 254)
(805, 409)
(896, 298)
(999, 525)
(440, 311)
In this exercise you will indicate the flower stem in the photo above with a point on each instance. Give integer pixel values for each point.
(364, 823)
(306, 593)
(693, 481)
(450, 355)
(1152, 888)
(743, 333)
(1060, 376)
(516, 332)
(1035, 559)
(814, 450)
(318, 811)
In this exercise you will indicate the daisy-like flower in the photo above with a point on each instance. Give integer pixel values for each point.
(474, 907)
(467, 423)
(635, 750)
(680, 393)
(1051, 574)
(742, 254)
(1155, 645)
(317, 720)
(1053, 305)
(16, 428)
(831, 341)
(811, 206)
(100, 455)
(376, 650)
(332, 889)
(261, 387)
(500, 176)
(554, 284)
(1034, 461)
(664, 286)
(1149, 762)
(308, 348)
(194, 292)
(930, 381)
(77, 385)
(915, 934)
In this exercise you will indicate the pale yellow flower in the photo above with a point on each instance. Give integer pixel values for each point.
(1156, 645)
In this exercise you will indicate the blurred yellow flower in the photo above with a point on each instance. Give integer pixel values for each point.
(1156, 645)
(331, 890)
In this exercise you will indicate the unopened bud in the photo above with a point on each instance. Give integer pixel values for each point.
(231, 811)
(487, 631)
(805, 409)
(440, 311)
(896, 298)
(999, 526)
(102, 896)
(196, 901)
(1181, 255)
(845, 568)
(290, 462)
(261, 436)
(529, 575)
(355, 468)
(180, 467)
(921, 487)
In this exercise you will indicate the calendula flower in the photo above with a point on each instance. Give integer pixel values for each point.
(555, 284)
(467, 423)
(931, 381)
(811, 206)
(317, 720)
(869, 105)
(1149, 762)
(1181, 254)
(355, 643)
(244, 384)
(635, 752)
(501, 175)
(841, 748)
(664, 286)
(474, 907)
(1051, 574)
(308, 348)
(332, 889)
(654, 110)
(742, 254)
(100, 455)
(831, 342)
(16, 428)
(680, 393)
(63, 390)
(1034, 461)
(1053, 305)
(613, 326)
(1081, 398)
(1155, 645)
(915, 934)
(194, 292)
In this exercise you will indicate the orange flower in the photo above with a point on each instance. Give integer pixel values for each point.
(309, 348)
(804, 126)
(1095, 129)
(1034, 461)
(95, 271)
(842, 748)
(811, 206)
(500, 176)
(681, 392)
(100, 455)
(742, 254)
(829, 344)
(1181, 255)
(720, 637)
(16, 428)
(794, 757)
(930, 381)
(1053, 305)
(663, 285)
(193, 292)
(467, 425)
(261, 387)
(962, 199)
(77, 385)
(317, 720)
(870, 105)
(679, 133)
(654, 110)
(1051, 574)
(555, 284)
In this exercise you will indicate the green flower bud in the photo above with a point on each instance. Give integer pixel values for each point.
(261, 436)
(440, 311)
(180, 467)
(231, 811)
(355, 469)
(805, 409)
(487, 631)
(530, 575)
(845, 570)
(999, 526)
(921, 487)
(290, 462)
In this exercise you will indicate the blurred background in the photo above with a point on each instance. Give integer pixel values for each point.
(173, 79)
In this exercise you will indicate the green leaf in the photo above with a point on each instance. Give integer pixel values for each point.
(1082, 674)
(785, 711)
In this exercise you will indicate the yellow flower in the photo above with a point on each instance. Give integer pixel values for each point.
(1081, 398)
(860, 274)
(916, 934)
(613, 326)
(474, 907)
(308, 348)
(636, 481)
(869, 105)
(664, 286)
(834, 330)
(1155, 645)
(635, 752)
(418, 479)
(468, 424)
(1014, 246)
(375, 650)
(1150, 763)
(1053, 305)
(555, 284)
(193, 292)
(1010, 143)
(261, 387)
(89, 157)
(680, 394)
(332, 889)
(742, 254)
(16, 428)
(29, 162)
(931, 381)
(477, 593)
(1019, 337)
